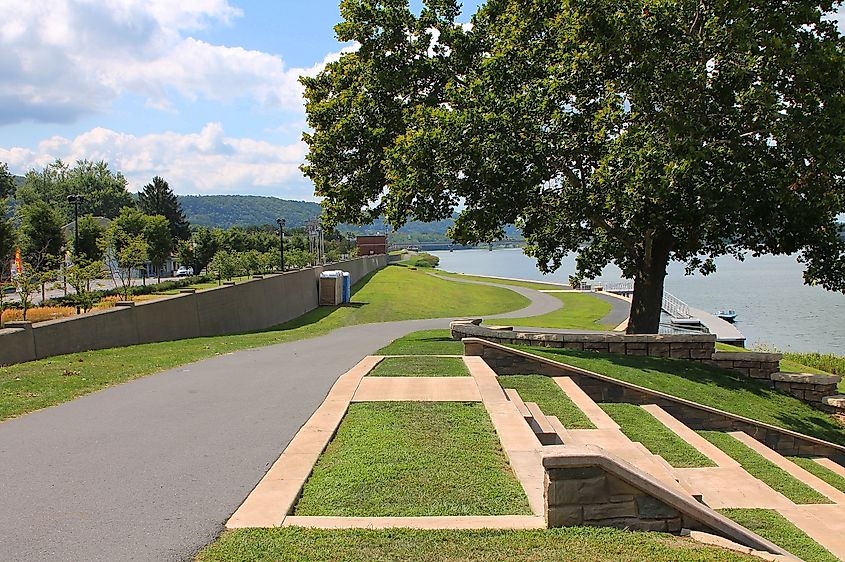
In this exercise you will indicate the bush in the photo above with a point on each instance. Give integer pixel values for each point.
(833, 364)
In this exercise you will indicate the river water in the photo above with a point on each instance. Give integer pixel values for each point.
(774, 306)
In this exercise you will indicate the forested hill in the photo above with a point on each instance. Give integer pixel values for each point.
(225, 211)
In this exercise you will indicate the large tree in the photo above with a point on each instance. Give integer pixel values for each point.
(158, 199)
(634, 133)
(104, 191)
(40, 236)
(159, 241)
(7, 182)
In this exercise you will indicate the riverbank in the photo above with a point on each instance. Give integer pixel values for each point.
(775, 307)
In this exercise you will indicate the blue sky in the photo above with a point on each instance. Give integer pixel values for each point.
(201, 92)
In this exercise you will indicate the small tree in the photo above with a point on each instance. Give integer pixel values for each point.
(90, 233)
(199, 250)
(79, 276)
(125, 246)
(7, 182)
(159, 241)
(27, 283)
(224, 265)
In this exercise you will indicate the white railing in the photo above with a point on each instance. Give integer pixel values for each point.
(672, 305)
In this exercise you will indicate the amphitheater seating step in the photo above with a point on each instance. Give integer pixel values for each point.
(541, 426)
(514, 397)
(559, 428)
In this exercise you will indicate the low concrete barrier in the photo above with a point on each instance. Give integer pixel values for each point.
(255, 304)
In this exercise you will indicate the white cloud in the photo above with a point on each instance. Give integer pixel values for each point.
(206, 162)
(64, 58)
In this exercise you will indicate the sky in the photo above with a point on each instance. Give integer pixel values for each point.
(201, 92)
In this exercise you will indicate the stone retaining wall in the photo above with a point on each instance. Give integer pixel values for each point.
(507, 361)
(588, 486)
(255, 304)
(694, 347)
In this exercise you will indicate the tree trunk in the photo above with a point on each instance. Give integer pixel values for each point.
(647, 301)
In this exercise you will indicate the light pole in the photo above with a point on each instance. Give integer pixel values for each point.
(76, 200)
(281, 223)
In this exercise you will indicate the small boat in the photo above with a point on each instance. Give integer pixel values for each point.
(727, 315)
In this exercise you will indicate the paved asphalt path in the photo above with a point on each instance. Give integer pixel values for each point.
(152, 469)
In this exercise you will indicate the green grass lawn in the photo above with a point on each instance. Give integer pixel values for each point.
(420, 366)
(771, 525)
(550, 397)
(822, 472)
(424, 342)
(392, 293)
(580, 311)
(814, 363)
(640, 425)
(526, 284)
(413, 459)
(706, 385)
(293, 544)
(764, 470)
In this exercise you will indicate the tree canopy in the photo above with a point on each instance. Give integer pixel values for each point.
(41, 237)
(158, 199)
(7, 182)
(631, 133)
(104, 191)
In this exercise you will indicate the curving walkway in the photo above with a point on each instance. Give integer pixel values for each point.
(151, 469)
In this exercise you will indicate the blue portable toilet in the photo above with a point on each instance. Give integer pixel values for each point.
(347, 287)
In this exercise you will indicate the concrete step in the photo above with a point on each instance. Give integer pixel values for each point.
(587, 405)
(559, 428)
(540, 424)
(514, 397)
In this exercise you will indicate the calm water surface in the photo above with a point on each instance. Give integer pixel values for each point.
(774, 306)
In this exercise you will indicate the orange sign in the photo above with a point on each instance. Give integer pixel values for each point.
(18, 266)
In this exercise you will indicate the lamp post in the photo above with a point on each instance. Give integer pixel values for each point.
(281, 223)
(76, 200)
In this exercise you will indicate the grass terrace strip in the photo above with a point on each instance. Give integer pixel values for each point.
(764, 470)
(552, 545)
(424, 342)
(552, 400)
(771, 525)
(580, 311)
(413, 459)
(811, 466)
(538, 286)
(707, 385)
(391, 293)
(420, 366)
(639, 425)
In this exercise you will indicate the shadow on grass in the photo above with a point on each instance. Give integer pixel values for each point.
(708, 385)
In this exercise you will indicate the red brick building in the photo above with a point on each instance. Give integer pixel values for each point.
(372, 245)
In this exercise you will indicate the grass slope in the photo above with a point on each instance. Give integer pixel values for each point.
(639, 425)
(771, 525)
(424, 342)
(764, 470)
(706, 385)
(392, 293)
(580, 311)
(550, 397)
(811, 466)
(294, 544)
(421, 366)
(499, 281)
(413, 459)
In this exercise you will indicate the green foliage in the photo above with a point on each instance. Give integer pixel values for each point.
(40, 236)
(90, 233)
(7, 182)
(706, 385)
(224, 265)
(104, 192)
(420, 366)
(413, 459)
(159, 240)
(771, 525)
(79, 276)
(199, 250)
(639, 425)
(423, 260)
(125, 246)
(8, 237)
(764, 470)
(27, 283)
(825, 362)
(630, 136)
(550, 397)
(294, 544)
(158, 199)
(225, 211)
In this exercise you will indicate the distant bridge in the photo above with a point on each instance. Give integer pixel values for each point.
(441, 246)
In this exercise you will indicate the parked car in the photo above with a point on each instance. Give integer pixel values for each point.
(184, 271)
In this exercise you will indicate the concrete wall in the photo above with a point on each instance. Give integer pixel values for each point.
(229, 309)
